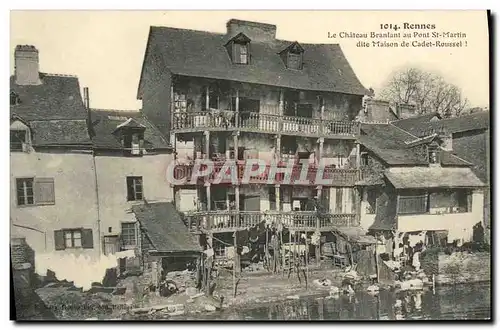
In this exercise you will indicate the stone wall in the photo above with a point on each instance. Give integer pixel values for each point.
(459, 267)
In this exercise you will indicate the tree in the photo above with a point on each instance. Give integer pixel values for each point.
(428, 91)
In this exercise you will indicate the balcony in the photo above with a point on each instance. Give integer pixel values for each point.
(256, 122)
(223, 221)
(336, 177)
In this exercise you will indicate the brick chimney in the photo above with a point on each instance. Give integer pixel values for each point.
(377, 110)
(26, 65)
(406, 110)
(254, 30)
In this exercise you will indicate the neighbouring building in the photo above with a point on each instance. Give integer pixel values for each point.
(131, 161)
(468, 137)
(53, 202)
(413, 185)
(247, 94)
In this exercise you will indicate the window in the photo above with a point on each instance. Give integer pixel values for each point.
(133, 144)
(134, 188)
(413, 204)
(128, 234)
(25, 191)
(241, 53)
(294, 61)
(180, 102)
(31, 191)
(14, 98)
(272, 198)
(73, 239)
(17, 140)
(372, 201)
(364, 159)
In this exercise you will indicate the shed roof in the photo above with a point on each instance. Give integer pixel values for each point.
(163, 224)
(432, 177)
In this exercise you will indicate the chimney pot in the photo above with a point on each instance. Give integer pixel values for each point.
(26, 62)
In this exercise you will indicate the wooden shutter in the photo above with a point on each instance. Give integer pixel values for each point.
(87, 239)
(338, 200)
(237, 53)
(44, 191)
(59, 240)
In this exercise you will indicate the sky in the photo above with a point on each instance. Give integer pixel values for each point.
(105, 49)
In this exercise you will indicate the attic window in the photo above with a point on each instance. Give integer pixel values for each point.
(133, 143)
(239, 49)
(433, 154)
(14, 98)
(293, 56)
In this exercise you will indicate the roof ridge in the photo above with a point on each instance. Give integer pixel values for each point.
(453, 155)
(160, 134)
(59, 75)
(416, 137)
(114, 110)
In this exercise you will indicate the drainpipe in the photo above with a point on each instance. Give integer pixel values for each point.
(86, 102)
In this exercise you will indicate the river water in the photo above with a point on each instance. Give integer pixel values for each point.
(467, 301)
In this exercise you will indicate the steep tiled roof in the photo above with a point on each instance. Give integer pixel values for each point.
(202, 54)
(394, 146)
(54, 110)
(163, 225)
(479, 120)
(432, 177)
(58, 97)
(422, 125)
(414, 125)
(105, 122)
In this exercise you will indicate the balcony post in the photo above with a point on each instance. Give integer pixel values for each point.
(277, 153)
(317, 250)
(235, 142)
(322, 115)
(207, 144)
(321, 142)
(207, 98)
(278, 197)
(358, 155)
(237, 109)
(281, 110)
(172, 116)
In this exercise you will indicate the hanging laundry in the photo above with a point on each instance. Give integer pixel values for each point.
(414, 239)
(416, 261)
(209, 252)
(230, 252)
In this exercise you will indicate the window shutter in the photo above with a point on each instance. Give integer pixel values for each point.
(59, 240)
(130, 189)
(44, 191)
(87, 239)
(237, 53)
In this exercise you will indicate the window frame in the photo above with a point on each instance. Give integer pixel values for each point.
(134, 185)
(23, 143)
(125, 238)
(25, 194)
(298, 57)
(72, 233)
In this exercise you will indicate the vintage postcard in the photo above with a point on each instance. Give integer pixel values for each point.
(250, 165)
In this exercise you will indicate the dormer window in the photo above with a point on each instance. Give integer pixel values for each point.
(14, 98)
(239, 49)
(292, 56)
(433, 153)
(132, 137)
(19, 136)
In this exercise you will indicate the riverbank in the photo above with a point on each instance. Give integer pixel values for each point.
(68, 303)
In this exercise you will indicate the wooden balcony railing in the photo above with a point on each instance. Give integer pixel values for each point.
(335, 176)
(262, 122)
(234, 220)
